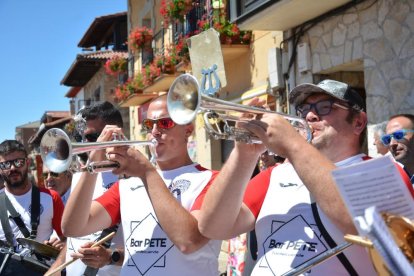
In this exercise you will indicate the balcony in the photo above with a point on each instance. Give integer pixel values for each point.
(279, 15)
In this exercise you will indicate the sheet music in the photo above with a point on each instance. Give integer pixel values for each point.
(376, 182)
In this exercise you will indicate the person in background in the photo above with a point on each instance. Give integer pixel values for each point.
(161, 235)
(268, 160)
(29, 202)
(59, 182)
(295, 207)
(399, 138)
(378, 132)
(105, 259)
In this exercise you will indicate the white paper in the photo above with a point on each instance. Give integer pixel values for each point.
(376, 182)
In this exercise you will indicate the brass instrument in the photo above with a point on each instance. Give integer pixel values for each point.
(58, 152)
(402, 230)
(184, 101)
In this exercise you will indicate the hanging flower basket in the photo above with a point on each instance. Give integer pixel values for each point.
(116, 65)
(175, 10)
(139, 38)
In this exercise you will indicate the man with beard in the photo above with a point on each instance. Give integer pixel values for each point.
(400, 140)
(295, 207)
(161, 235)
(25, 210)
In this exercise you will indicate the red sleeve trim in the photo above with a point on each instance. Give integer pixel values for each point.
(110, 200)
(200, 198)
(256, 191)
(57, 210)
(406, 179)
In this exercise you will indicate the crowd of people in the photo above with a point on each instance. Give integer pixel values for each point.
(170, 219)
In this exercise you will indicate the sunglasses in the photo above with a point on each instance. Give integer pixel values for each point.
(162, 123)
(321, 108)
(18, 163)
(397, 135)
(52, 174)
(90, 137)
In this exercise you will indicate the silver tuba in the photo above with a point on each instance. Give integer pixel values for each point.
(184, 101)
(58, 152)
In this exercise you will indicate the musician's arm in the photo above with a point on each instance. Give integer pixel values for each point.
(60, 259)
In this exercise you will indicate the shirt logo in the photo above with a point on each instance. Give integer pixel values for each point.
(283, 185)
(136, 188)
(180, 186)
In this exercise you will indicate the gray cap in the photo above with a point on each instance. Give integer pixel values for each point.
(336, 89)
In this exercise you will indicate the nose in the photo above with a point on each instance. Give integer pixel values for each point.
(155, 131)
(312, 116)
(393, 141)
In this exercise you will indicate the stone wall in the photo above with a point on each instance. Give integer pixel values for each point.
(378, 35)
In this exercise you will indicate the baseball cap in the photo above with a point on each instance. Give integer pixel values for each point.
(336, 89)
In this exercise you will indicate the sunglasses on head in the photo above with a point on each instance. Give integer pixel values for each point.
(52, 174)
(18, 163)
(397, 135)
(162, 123)
(321, 108)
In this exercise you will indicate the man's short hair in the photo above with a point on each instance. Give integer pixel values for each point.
(405, 115)
(10, 146)
(105, 111)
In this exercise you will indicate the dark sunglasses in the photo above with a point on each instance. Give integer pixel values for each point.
(18, 163)
(90, 137)
(162, 123)
(321, 108)
(397, 135)
(52, 174)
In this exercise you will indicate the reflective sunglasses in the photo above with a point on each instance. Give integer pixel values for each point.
(52, 174)
(90, 137)
(321, 108)
(18, 163)
(397, 135)
(162, 123)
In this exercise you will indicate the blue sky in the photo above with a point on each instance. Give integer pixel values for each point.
(38, 45)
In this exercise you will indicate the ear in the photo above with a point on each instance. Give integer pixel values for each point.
(360, 122)
(28, 161)
(189, 128)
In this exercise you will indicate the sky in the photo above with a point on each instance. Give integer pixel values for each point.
(38, 45)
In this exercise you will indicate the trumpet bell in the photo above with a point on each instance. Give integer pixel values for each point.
(55, 150)
(183, 99)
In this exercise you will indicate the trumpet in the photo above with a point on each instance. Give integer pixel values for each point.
(58, 152)
(184, 101)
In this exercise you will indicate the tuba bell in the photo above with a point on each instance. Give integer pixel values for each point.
(184, 102)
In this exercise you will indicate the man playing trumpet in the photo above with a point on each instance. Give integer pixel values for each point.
(295, 207)
(160, 233)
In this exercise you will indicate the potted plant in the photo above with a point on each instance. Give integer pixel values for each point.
(149, 73)
(139, 38)
(131, 86)
(116, 65)
(175, 10)
(167, 61)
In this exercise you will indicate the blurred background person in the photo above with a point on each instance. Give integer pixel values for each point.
(379, 131)
(268, 160)
(59, 182)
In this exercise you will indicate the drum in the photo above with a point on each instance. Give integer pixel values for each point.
(19, 264)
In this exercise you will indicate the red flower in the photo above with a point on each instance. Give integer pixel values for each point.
(138, 37)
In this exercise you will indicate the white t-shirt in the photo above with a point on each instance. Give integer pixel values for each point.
(51, 210)
(148, 250)
(286, 230)
(77, 268)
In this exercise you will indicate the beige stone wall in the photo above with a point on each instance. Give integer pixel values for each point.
(381, 37)
(378, 41)
(107, 86)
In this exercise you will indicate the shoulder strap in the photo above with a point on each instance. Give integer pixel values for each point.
(5, 220)
(342, 258)
(35, 211)
(17, 218)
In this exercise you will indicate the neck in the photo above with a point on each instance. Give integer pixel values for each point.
(19, 190)
(341, 154)
(174, 164)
